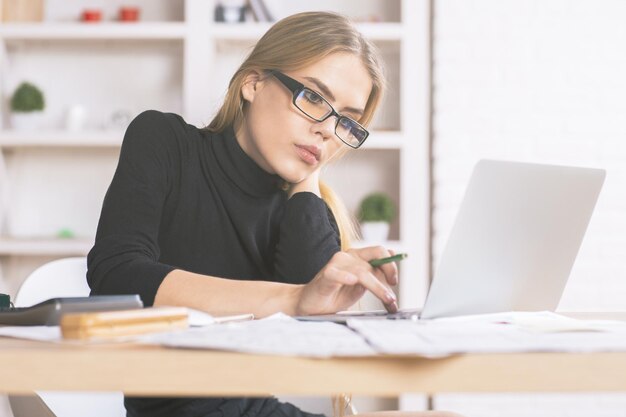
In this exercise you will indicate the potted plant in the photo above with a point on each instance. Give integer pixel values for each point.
(27, 106)
(376, 211)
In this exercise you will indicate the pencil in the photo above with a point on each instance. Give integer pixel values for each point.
(382, 261)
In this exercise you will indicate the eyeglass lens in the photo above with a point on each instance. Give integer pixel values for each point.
(316, 107)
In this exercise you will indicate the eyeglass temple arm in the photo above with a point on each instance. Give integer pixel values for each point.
(289, 82)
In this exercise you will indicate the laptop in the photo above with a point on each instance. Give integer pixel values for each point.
(513, 243)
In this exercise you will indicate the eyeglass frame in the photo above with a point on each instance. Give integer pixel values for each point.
(297, 87)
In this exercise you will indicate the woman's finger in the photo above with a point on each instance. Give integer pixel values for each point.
(389, 274)
(390, 270)
(378, 288)
(341, 276)
(371, 252)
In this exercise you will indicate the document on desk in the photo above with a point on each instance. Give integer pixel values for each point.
(276, 335)
(41, 333)
(502, 333)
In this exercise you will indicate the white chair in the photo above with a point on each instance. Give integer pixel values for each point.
(67, 278)
(62, 278)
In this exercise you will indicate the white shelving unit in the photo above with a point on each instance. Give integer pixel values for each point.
(177, 59)
(182, 64)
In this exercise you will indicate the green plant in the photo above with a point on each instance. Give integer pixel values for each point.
(27, 98)
(377, 207)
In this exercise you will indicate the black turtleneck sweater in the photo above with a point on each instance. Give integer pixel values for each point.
(185, 198)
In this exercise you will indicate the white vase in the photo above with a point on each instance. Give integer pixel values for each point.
(27, 121)
(376, 232)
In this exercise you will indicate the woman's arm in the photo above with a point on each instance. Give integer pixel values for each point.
(308, 238)
(223, 297)
(125, 257)
(339, 284)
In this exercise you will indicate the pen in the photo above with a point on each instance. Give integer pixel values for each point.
(382, 261)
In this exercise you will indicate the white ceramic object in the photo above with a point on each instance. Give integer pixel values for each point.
(75, 118)
(27, 121)
(375, 231)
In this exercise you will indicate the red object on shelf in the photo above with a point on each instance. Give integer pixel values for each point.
(91, 15)
(129, 14)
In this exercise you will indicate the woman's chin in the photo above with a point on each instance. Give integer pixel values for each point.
(293, 176)
(293, 179)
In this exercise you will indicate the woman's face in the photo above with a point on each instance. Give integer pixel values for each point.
(284, 141)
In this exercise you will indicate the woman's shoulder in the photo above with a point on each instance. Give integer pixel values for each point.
(158, 121)
(161, 129)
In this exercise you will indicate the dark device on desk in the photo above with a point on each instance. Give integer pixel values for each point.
(49, 312)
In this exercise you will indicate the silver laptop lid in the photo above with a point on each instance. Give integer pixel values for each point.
(514, 240)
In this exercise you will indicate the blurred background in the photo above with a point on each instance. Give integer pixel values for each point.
(526, 80)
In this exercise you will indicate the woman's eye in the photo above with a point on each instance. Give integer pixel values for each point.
(312, 97)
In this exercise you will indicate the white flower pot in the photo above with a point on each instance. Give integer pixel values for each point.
(26, 121)
(376, 232)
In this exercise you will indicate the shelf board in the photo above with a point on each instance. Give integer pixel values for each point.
(254, 31)
(60, 138)
(44, 247)
(384, 139)
(81, 31)
(164, 30)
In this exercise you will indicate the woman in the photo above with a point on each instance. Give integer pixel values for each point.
(232, 218)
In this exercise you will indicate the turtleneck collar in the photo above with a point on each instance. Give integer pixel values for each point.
(242, 169)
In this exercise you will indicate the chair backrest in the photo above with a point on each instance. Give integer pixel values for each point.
(60, 278)
(64, 278)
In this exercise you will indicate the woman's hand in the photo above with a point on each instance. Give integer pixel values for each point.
(344, 280)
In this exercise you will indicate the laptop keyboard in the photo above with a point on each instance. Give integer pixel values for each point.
(411, 314)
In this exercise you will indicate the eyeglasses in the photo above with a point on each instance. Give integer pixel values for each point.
(313, 105)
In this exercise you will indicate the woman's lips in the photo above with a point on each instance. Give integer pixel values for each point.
(309, 154)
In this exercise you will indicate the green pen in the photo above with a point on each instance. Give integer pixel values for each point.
(382, 261)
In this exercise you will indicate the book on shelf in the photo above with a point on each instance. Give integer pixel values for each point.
(260, 11)
(21, 10)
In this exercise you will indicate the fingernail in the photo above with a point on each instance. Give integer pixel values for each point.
(391, 297)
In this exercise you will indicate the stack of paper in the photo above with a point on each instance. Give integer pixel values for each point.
(499, 333)
(277, 335)
(282, 335)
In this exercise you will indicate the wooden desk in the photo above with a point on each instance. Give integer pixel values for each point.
(141, 370)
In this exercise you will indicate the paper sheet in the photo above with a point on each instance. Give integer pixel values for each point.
(41, 333)
(497, 333)
(282, 335)
(275, 335)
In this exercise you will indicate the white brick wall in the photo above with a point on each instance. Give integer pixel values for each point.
(537, 81)
(543, 81)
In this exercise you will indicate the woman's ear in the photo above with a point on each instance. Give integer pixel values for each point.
(250, 86)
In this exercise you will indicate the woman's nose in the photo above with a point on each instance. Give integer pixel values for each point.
(327, 127)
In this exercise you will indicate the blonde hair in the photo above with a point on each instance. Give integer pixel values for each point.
(296, 42)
